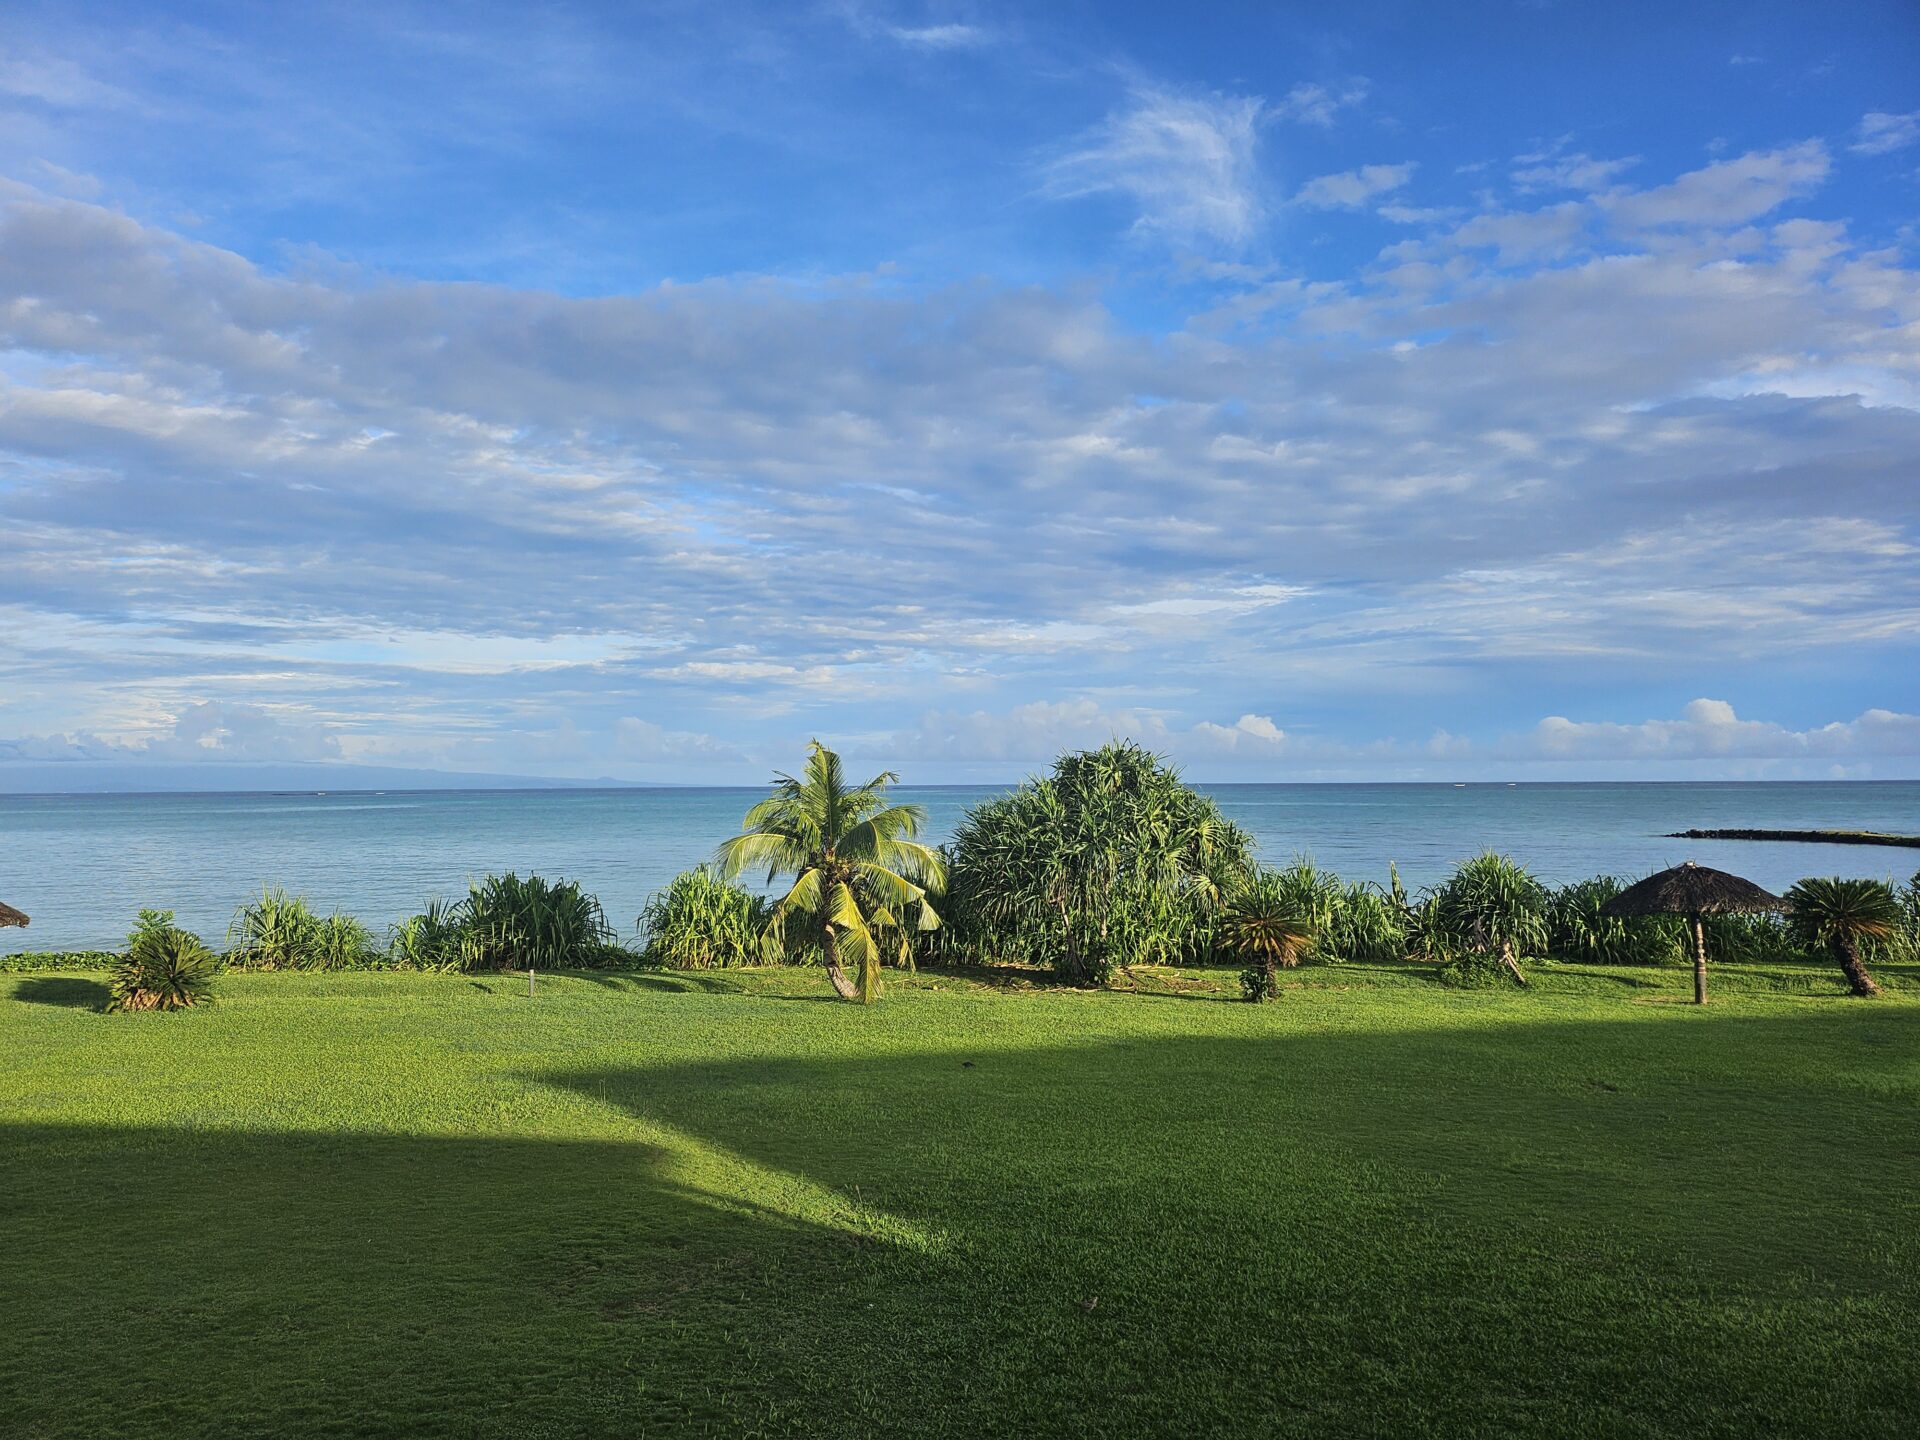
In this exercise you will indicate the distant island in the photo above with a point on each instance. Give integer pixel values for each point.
(1805, 837)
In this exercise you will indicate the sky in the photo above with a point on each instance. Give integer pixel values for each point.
(1383, 391)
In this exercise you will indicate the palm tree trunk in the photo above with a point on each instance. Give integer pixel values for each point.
(1847, 952)
(830, 951)
(1699, 961)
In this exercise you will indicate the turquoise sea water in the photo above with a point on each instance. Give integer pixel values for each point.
(81, 865)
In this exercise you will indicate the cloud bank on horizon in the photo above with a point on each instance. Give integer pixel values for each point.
(602, 396)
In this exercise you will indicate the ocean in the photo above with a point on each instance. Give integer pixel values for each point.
(82, 865)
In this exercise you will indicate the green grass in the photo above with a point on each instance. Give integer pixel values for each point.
(406, 1205)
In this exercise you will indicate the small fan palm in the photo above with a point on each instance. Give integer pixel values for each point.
(1842, 916)
(859, 876)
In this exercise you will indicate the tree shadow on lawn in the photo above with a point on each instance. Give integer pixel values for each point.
(71, 992)
(1563, 1227)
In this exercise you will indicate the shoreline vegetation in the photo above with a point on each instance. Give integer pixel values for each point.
(1804, 837)
(1065, 1169)
(1107, 865)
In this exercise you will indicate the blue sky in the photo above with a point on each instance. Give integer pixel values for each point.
(1393, 391)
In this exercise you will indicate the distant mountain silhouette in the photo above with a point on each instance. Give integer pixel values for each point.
(101, 777)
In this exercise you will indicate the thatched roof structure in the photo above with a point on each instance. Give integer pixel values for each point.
(1691, 889)
(11, 916)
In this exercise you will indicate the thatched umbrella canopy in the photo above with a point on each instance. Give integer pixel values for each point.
(1693, 890)
(11, 916)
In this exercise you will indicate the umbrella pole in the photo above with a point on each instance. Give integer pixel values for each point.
(1699, 961)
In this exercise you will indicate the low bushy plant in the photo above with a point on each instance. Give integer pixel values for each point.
(278, 931)
(1578, 928)
(701, 921)
(1475, 970)
(435, 939)
(165, 967)
(1259, 984)
(1365, 928)
(537, 924)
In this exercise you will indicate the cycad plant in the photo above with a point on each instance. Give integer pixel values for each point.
(166, 968)
(1844, 917)
(1266, 923)
(858, 872)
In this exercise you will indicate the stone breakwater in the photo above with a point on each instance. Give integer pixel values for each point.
(1804, 837)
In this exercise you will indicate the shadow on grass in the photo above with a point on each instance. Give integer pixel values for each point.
(68, 991)
(1259, 1231)
(1203, 1234)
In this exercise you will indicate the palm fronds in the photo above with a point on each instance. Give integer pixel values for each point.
(165, 967)
(862, 884)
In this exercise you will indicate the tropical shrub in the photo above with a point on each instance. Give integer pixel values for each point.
(1365, 928)
(536, 924)
(1259, 983)
(861, 883)
(165, 968)
(1108, 862)
(1578, 928)
(1844, 918)
(281, 932)
(1490, 908)
(701, 920)
(278, 931)
(435, 939)
(1745, 939)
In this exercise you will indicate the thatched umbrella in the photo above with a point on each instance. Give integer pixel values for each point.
(11, 916)
(1693, 890)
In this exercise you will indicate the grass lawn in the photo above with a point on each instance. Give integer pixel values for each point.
(404, 1205)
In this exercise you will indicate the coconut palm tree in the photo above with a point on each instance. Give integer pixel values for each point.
(1841, 914)
(859, 876)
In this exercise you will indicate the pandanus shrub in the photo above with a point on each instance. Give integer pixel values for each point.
(278, 931)
(1845, 918)
(1579, 930)
(535, 924)
(165, 968)
(1109, 861)
(435, 939)
(702, 920)
(1366, 928)
(1490, 913)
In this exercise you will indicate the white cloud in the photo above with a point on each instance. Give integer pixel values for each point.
(1555, 170)
(1352, 189)
(1730, 191)
(1709, 729)
(1316, 104)
(1881, 133)
(1186, 162)
(447, 520)
(645, 742)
